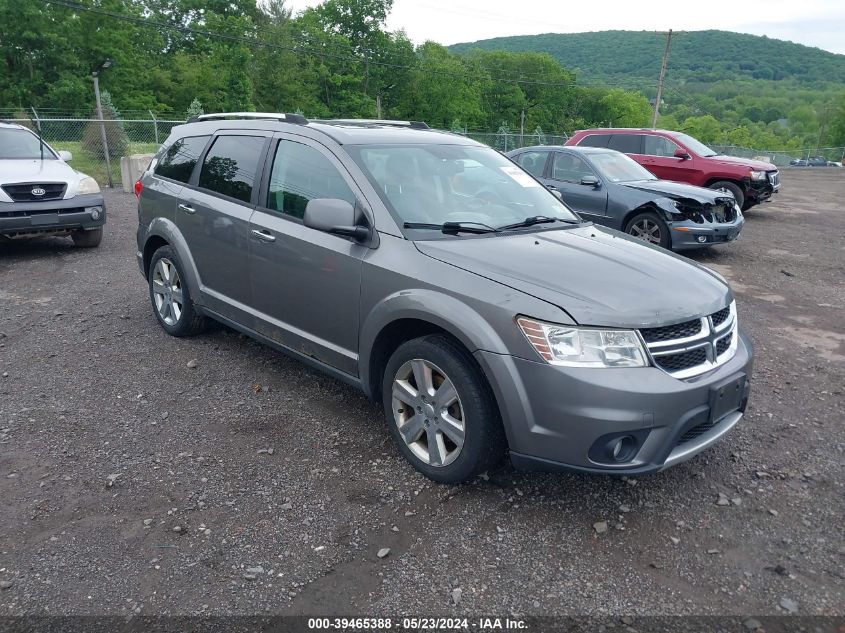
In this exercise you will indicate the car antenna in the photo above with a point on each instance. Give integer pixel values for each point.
(37, 123)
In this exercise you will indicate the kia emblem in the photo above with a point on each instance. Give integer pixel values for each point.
(38, 191)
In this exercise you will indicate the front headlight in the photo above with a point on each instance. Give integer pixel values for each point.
(758, 175)
(583, 347)
(87, 185)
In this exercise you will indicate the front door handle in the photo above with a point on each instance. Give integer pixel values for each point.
(187, 208)
(264, 236)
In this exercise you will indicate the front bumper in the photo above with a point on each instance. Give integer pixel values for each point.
(762, 190)
(23, 219)
(560, 418)
(686, 234)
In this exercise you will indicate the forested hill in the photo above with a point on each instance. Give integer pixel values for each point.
(697, 56)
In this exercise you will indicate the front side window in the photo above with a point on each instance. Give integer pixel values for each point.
(230, 166)
(533, 162)
(616, 167)
(695, 145)
(300, 174)
(659, 146)
(570, 168)
(18, 144)
(179, 159)
(626, 143)
(435, 184)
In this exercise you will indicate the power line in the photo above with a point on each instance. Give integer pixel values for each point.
(296, 49)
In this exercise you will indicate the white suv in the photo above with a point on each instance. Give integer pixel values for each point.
(40, 194)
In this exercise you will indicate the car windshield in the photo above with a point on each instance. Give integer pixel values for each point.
(464, 184)
(694, 144)
(618, 167)
(19, 144)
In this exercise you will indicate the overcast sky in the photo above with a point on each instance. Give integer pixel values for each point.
(818, 23)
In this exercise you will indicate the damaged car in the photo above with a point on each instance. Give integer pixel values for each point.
(610, 188)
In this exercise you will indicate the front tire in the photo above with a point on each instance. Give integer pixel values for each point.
(440, 410)
(170, 296)
(88, 239)
(733, 188)
(649, 227)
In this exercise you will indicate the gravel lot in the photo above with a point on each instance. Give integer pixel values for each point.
(251, 484)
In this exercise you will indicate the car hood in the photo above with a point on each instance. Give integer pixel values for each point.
(597, 275)
(38, 171)
(676, 190)
(733, 161)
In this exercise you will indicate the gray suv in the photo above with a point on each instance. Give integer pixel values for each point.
(450, 285)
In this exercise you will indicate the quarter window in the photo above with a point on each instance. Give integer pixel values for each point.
(626, 143)
(659, 146)
(300, 174)
(180, 158)
(230, 166)
(533, 162)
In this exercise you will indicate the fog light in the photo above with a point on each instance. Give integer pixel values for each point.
(701, 239)
(622, 449)
(95, 212)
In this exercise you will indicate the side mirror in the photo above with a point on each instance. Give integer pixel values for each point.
(557, 194)
(679, 153)
(338, 217)
(591, 181)
(65, 156)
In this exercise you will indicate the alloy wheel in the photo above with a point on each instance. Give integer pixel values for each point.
(428, 412)
(647, 230)
(167, 291)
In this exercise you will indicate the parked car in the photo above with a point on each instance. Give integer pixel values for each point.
(798, 162)
(817, 161)
(40, 194)
(680, 157)
(612, 189)
(449, 285)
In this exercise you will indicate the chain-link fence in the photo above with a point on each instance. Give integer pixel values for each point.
(505, 141)
(96, 143)
(783, 158)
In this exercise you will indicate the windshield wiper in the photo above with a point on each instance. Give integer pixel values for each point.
(453, 228)
(536, 219)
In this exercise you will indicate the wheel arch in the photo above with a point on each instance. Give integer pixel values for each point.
(163, 232)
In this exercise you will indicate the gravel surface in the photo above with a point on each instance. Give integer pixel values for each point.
(141, 473)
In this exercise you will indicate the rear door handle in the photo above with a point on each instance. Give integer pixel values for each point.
(264, 236)
(187, 208)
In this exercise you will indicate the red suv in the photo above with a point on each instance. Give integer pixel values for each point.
(678, 156)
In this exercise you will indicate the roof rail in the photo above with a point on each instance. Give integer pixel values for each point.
(414, 125)
(277, 116)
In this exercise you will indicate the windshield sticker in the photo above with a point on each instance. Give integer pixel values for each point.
(519, 176)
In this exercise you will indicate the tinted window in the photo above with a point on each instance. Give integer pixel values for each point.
(180, 158)
(230, 165)
(301, 173)
(532, 162)
(659, 146)
(570, 168)
(626, 143)
(595, 140)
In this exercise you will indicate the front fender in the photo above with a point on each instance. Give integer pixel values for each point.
(168, 231)
(440, 309)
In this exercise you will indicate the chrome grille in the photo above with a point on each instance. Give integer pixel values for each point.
(693, 347)
(774, 178)
(23, 192)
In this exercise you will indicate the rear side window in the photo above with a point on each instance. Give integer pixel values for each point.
(301, 173)
(533, 162)
(595, 140)
(180, 158)
(230, 166)
(627, 143)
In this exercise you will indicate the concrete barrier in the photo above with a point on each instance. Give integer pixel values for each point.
(131, 168)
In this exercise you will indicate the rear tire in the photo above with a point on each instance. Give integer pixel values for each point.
(648, 227)
(441, 411)
(88, 239)
(170, 296)
(733, 188)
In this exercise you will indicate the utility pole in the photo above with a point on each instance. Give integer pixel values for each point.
(103, 137)
(378, 106)
(662, 77)
(522, 129)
